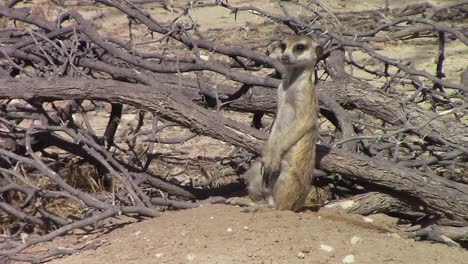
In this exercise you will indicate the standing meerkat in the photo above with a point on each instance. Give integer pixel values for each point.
(284, 175)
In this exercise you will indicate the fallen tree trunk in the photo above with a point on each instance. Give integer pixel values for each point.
(376, 203)
(355, 94)
(446, 200)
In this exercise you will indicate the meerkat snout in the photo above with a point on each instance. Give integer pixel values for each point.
(285, 59)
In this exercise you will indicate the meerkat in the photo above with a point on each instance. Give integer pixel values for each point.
(283, 177)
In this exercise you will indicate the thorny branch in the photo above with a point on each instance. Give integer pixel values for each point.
(381, 114)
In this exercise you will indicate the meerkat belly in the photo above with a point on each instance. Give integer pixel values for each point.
(300, 158)
(286, 115)
(294, 181)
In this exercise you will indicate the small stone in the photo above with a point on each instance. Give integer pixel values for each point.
(158, 255)
(190, 257)
(246, 228)
(137, 233)
(326, 248)
(349, 259)
(205, 57)
(368, 220)
(300, 255)
(229, 230)
(355, 240)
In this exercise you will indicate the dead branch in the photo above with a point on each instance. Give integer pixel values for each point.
(375, 135)
(378, 173)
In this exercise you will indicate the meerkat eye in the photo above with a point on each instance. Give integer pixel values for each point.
(300, 47)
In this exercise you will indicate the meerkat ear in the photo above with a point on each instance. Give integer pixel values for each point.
(319, 52)
(276, 53)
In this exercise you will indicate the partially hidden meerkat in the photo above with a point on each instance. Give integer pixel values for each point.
(283, 177)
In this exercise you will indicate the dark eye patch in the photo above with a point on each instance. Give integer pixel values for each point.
(282, 46)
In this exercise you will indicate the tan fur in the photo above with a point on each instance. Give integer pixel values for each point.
(284, 175)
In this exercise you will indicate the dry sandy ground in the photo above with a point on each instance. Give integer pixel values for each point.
(227, 234)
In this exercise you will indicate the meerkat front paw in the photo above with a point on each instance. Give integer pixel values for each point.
(270, 170)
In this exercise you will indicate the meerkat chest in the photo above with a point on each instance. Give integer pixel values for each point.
(295, 93)
(287, 105)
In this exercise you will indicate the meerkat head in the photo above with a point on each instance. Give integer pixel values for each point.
(298, 52)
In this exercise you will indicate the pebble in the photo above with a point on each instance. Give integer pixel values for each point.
(300, 255)
(355, 240)
(190, 257)
(349, 259)
(326, 248)
(229, 229)
(183, 233)
(368, 220)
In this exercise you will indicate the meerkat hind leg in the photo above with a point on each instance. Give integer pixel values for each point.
(289, 192)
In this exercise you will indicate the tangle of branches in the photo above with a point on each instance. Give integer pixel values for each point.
(390, 129)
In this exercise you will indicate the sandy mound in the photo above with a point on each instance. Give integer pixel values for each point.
(227, 234)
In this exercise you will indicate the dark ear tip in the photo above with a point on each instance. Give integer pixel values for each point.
(319, 52)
